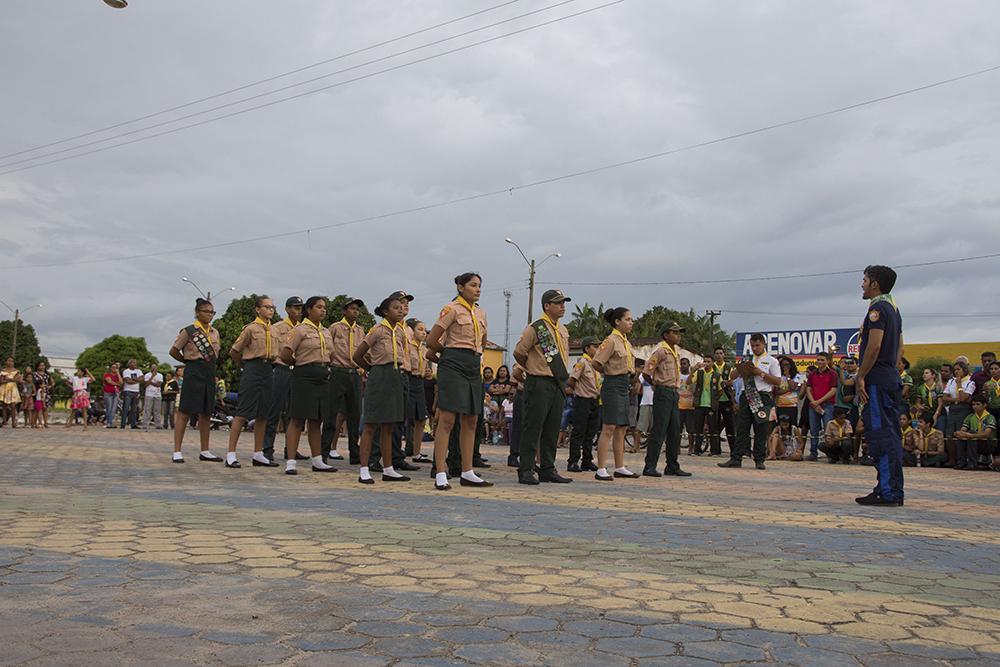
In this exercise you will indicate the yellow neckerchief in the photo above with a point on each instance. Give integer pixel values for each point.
(319, 330)
(677, 357)
(420, 358)
(555, 332)
(350, 336)
(840, 430)
(267, 339)
(392, 335)
(924, 436)
(980, 419)
(931, 388)
(475, 320)
(597, 376)
(630, 362)
(206, 330)
(996, 386)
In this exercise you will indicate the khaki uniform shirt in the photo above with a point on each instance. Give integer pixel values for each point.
(304, 342)
(835, 432)
(586, 378)
(280, 332)
(380, 344)
(253, 342)
(187, 347)
(528, 345)
(931, 444)
(663, 368)
(459, 329)
(419, 366)
(406, 363)
(345, 340)
(615, 356)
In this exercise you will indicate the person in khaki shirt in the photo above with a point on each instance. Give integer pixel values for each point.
(543, 351)
(583, 384)
(281, 374)
(255, 350)
(931, 446)
(420, 371)
(838, 438)
(663, 371)
(616, 361)
(197, 347)
(399, 431)
(345, 385)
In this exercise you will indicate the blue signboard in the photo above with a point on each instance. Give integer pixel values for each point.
(803, 344)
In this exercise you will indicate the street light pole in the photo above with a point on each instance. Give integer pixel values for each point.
(531, 275)
(17, 319)
(207, 295)
(506, 334)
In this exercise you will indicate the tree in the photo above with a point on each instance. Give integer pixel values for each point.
(335, 312)
(28, 352)
(588, 321)
(114, 349)
(917, 368)
(700, 335)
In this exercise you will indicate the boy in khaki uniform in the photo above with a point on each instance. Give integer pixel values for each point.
(663, 371)
(583, 385)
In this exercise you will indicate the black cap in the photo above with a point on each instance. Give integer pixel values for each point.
(353, 301)
(399, 296)
(587, 341)
(294, 301)
(669, 326)
(554, 296)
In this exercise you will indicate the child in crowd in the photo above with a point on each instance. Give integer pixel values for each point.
(931, 442)
(838, 438)
(911, 443)
(976, 441)
(786, 441)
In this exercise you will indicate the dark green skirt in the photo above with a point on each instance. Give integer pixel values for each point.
(614, 400)
(460, 382)
(198, 388)
(385, 395)
(310, 396)
(255, 389)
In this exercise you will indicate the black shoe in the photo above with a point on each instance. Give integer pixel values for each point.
(731, 463)
(177, 460)
(330, 469)
(421, 459)
(481, 463)
(554, 478)
(876, 500)
(234, 464)
(592, 467)
(401, 478)
(216, 459)
(760, 465)
(269, 464)
(375, 467)
(484, 459)
(651, 472)
(601, 478)
(407, 466)
(442, 487)
(696, 452)
(338, 457)
(574, 467)
(527, 478)
(301, 457)
(365, 481)
(291, 471)
(513, 462)
(465, 482)
(626, 475)
(677, 473)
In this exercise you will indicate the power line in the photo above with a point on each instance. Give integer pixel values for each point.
(532, 184)
(259, 82)
(291, 97)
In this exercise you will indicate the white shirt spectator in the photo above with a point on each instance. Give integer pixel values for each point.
(153, 390)
(508, 408)
(769, 365)
(968, 386)
(80, 383)
(647, 392)
(131, 373)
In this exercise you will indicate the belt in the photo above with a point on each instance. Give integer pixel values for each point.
(344, 369)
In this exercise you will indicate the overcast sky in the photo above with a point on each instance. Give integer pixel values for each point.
(908, 180)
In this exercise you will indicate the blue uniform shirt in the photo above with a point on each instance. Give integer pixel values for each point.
(883, 315)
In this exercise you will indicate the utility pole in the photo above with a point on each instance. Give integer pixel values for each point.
(712, 314)
(506, 334)
(17, 321)
(531, 275)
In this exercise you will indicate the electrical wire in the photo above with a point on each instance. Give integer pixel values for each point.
(291, 97)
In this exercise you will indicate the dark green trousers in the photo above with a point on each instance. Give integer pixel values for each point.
(666, 427)
(744, 422)
(543, 406)
(345, 399)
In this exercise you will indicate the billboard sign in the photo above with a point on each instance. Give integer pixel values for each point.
(803, 345)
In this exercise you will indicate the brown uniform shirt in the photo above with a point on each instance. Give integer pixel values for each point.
(663, 368)
(586, 378)
(252, 343)
(615, 356)
(459, 329)
(406, 362)
(189, 351)
(280, 332)
(304, 342)
(419, 366)
(932, 443)
(380, 340)
(528, 345)
(345, 340)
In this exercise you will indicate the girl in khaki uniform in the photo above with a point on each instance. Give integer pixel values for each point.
(255, 350)
(307, 347)
(197, 347)
(384, 354)
(420, 370)
(614, 359)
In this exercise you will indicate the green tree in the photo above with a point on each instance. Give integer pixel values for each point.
(62, 390)
(335, 312)
(700, 335)
(28, 352)
(588, 321)
(917, 368)
(118, 349)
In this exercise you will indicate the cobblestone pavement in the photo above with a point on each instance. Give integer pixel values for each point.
(111, 555)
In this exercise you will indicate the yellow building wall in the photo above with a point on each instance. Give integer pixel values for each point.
(914, 352)
(493, 359)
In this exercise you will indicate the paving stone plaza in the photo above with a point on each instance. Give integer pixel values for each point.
(111, 555)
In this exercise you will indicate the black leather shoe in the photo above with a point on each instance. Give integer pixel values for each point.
(484, 459)
(760, 465)
(407, 466)
(481, 463)
(592, 467)
(421, 459)
(554, 478)
(731, 463)
(626, 475)
(876, 500)
(366, 481)
(465, 482)
(651, 473)
(291, 471)
(330, 469)
(442, 487)
(527, 478)
(234, 464)
(599, 478)
(573, 467)
(401, 478)
(513, 462)
(269, 464)
(375, 467)
(338, 457)
(216, 459)
(177, 460)
(301, 457)
(677, 473)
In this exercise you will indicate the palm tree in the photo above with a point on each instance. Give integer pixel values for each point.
(588, 321)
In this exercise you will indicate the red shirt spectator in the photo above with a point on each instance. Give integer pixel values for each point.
(821, 382)
(112, 380)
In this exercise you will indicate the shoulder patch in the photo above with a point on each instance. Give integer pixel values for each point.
(445, 311)
(873, 315)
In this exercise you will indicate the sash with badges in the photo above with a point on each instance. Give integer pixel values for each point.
(202, 343)
(754, 400)
(550, 351)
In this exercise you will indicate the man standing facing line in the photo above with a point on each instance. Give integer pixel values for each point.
(583, 385)
(131, 377)
(759, 375)
(282, 375)
(543, 351)
(878, 385)
(821, 390)
(663, 371)
(151, 404)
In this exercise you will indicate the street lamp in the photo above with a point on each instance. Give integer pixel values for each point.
(531, 274)
(206, 295)
(17, 318)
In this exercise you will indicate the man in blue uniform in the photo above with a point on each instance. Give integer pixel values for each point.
(878, 385)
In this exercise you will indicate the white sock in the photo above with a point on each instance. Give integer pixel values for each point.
(389, 472)
(207, 453)
(471, 476)
(260, 458)
(317, 462)
(363, 473)
(602, 472)
(178, 456)
(441, 478)
(333, 454)
(623, 470)
(230, 457)
(290, 464)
